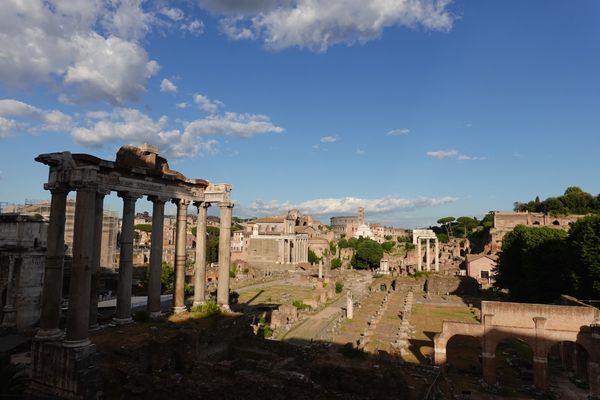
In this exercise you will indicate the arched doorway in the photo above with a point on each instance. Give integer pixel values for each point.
(514, 363)
(568, 369)
(463, 355)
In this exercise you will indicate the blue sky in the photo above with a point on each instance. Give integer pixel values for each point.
(416, 109)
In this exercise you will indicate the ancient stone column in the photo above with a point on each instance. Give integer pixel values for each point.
(488, 355)
(419, 255)
(123, 314)
(320, 270)
(349, 305)
(9, 310)
(180, 242)
(224, 254)
(427, 256)
(98, 219)
(78, 316)
(200, 266)
(156, 255)
(540, 356)
(53, 271)
(437, 255)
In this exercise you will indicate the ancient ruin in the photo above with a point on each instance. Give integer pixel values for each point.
(539, 325)
(64, 362)
(426, 234)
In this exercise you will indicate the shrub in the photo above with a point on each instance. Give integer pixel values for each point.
(336, 263)
(267, 332)
(206, 310)
(299, 305)
(339, 286)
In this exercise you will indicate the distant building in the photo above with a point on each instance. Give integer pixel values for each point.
(505, 222)
(23, 241)
(346, 226)
(481, 267)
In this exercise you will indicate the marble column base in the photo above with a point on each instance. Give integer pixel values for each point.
(76, 343)
(49, 335)
(122, 321)
(179, 309)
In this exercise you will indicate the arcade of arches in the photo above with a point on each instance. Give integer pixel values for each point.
(542, 327)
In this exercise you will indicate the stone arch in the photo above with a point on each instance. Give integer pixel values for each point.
(514, 357)
(568, 356)
(556, 222)
(536, 223)
(463, 353)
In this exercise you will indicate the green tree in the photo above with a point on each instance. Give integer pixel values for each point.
(533, 264)
(368, 255)
(388, 246)
(336, 263)
(446, 222)
(584, 243)
(143, 227)
(312, 257)
(442, 237)
(332, 248)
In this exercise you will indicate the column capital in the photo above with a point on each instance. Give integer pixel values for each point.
(204, 204)
(58, 189)
(158, 199)
(102, 191)
(226, 204)
(181, 202)
(129, 195)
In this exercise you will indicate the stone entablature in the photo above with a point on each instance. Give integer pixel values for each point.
(136, 172)
(540, 325)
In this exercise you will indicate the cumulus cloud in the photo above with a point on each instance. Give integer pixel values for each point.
(317, 25)
(195, 27)
(168, 86)
(15, 115)
(451, 155)
(232, 124)
(329, 139)
(347, 205)
(173, 13)
(195, 138)
(398, 132)
(206, 104)
(90, 47)
(182, 105)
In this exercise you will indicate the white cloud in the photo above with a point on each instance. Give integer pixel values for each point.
(90, 47)
(195, 27)
(168, 86)
(182, 105)
(173, 13)
(36, 119)
(451, 155)
(398, 132)
(360, 151)
(7, 126)
(318, 25)
(347, 205)
(206, 104)
(232, 124)
(329, 139)
(132, 126)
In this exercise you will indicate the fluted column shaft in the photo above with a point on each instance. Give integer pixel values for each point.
(437, 255)
(428, 255)
(156, 255)
(123, 314)
(224, 254)
(53, 271)
(419, 255)
(98, 220)
(200, 266)
(78, 316)
(180, 241)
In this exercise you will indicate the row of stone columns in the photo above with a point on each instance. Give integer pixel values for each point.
(294, 250)
(81, 317)
(428, 255)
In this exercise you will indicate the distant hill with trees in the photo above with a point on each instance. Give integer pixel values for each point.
(573, 201)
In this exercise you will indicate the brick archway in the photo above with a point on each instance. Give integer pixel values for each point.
(539, 325)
